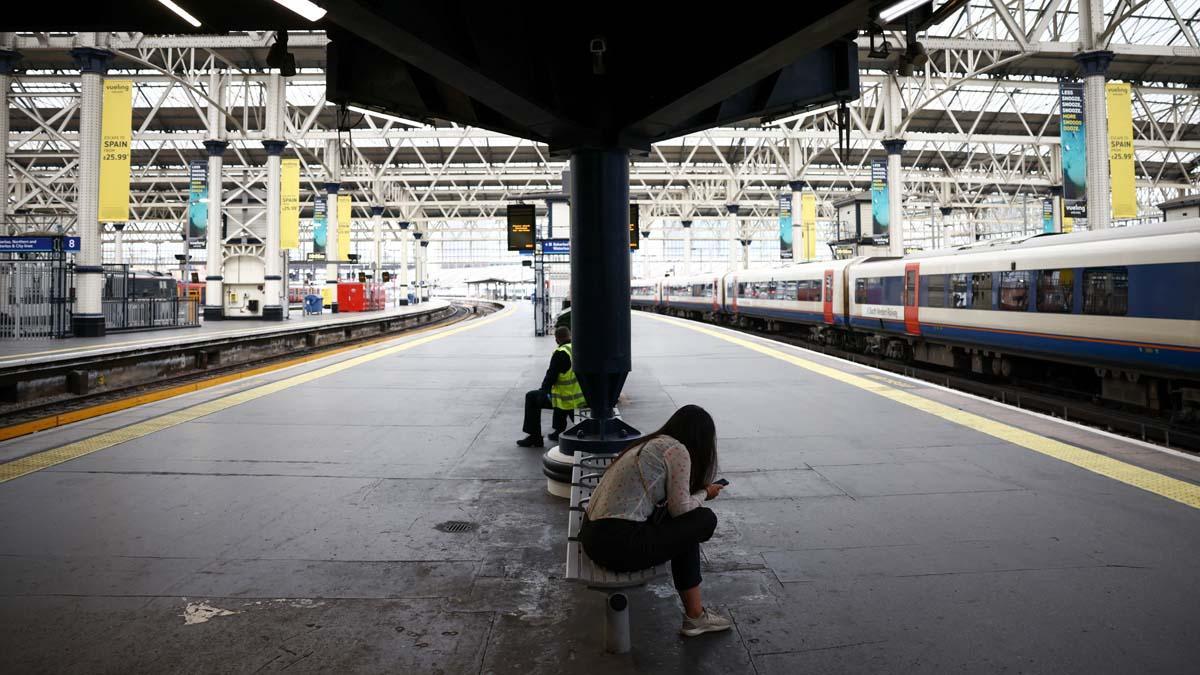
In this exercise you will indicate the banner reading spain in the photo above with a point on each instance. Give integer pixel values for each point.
(808, 221)
(343, 223)
(289, 204)
(1072, 132)
(115, 142)
(1120, 150)
(785, 226)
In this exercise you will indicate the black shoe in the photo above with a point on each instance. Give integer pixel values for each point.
(531, 442)
(554, 437)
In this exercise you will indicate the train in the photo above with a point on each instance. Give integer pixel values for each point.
(1113, 314)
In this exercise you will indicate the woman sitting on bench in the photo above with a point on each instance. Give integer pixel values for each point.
(648, 509)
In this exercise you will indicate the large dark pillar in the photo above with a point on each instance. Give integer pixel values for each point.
(600, 275)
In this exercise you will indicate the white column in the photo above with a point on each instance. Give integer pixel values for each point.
(93, 60)
(798, 234)
(214, 248)
(735, 235)
(687, 247)
(893, 146)
(333, 162)
(403, 270)
(274, 145)
(8, 60)
(1093, 64)
(119, 243)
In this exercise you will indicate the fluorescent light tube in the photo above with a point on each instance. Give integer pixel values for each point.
(386, 116)
(183, 14)
(304, 8)
(893, 11)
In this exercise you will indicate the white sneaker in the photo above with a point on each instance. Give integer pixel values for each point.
(708, 622)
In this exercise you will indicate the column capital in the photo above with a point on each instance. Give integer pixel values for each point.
(92, 60)
(893, 146)
(733, 209)
(1055, 190)
(796, 185)
(946, 210)
(332, 188)
(118, 226)
(1094, 63)
(404, 224)
(274, 148)
(8, 61)
(686, 224)
(377, 210)
(745, 242)
(417, 235)
(424, 243)
(215, 148)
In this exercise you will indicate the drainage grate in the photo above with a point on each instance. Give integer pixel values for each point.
(455, 526)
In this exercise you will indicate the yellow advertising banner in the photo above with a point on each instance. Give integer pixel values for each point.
(289, 204)
(808, 224)
(343, 217)
(115, 137)
(1120, 150)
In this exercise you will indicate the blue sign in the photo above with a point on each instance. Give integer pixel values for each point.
(71, 244)
(26, 244)
(556, 246)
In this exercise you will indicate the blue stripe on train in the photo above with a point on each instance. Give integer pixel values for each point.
(787, 314)
(1161, 358)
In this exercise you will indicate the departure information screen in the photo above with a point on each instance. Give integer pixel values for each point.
(634, 233)
(520, 227)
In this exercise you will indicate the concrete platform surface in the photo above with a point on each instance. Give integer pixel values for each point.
(290, 522)
(23, 352)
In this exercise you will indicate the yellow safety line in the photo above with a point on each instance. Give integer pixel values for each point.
(1165, 486)
(48, 458)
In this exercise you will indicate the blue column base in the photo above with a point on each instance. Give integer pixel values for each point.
(87, 325)
(273, 313)
(214, 313)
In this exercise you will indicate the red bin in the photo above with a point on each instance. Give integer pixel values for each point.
(351, 297)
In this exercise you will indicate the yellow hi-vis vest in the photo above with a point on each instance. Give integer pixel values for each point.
(565, 393)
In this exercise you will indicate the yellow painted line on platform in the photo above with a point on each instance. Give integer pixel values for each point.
(47, 458)
(1165, 486)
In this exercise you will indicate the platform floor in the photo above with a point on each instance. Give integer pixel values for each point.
(18, 352)
(871, 525)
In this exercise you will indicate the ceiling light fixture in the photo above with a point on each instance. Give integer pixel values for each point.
(304, 8)
(891, 12)
(386, 116)
(181, 12)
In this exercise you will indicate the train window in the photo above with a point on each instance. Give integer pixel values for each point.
(1106, 291)
(910, 288)
(893, 291)
(959, 295)
(935, 291)
(860, 291)
(1014, 291)
(981, 290)
(809, 290)
(1056, 291)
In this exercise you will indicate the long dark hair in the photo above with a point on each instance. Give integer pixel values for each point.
(694, 427)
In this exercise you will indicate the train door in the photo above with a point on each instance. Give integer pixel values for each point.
(733, 295)
(827, 295)
(912, 279)
(716, 295)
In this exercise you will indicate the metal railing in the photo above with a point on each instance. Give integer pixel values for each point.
(34, 299)
(148, 313)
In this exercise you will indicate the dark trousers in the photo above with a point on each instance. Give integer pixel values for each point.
(628, 546)
(535, 403)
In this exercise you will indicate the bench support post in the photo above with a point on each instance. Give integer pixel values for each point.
(616, 624)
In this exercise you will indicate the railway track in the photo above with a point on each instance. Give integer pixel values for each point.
(15, 417)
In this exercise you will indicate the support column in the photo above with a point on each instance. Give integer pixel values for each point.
(88, 318)
(404, 225)
(273, 307)
(331, 242)
(687, 246)
(214, 286)
(1093, 66)
(8, 61)
(377, 227)
(799, 244)
(423, 261)
(894, 146)
(735, 234)
(119, 243)
(416, 285)
(1056, 197)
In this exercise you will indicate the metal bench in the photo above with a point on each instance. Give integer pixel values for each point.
(585, 476)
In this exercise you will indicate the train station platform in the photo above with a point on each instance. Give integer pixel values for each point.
(27, 352)
(370, 512)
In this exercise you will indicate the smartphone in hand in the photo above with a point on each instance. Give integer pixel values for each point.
(721, 481)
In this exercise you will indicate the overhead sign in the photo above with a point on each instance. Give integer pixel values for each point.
(344, 211)
(634, 224)
(39, 244)
(197, 226)
(289, 204)
(1047, 215)
(881, 214)
(1120, 150)
(320, 228)
(556, 246)
(1072, 124)
(521, 225)
(116, 123)
(785, 226)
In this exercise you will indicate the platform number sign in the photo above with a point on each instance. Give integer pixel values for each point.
(521, 226)
(71, 244)
(634, 233)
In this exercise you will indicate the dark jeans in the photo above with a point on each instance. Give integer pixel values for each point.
(628, 546)
(535, 403)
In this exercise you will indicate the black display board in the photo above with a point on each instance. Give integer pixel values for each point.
(634, 233)
(521, 227)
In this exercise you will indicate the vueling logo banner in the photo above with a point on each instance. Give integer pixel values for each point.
(115, 145)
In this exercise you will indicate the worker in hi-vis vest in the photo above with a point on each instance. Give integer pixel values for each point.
(559, 391)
